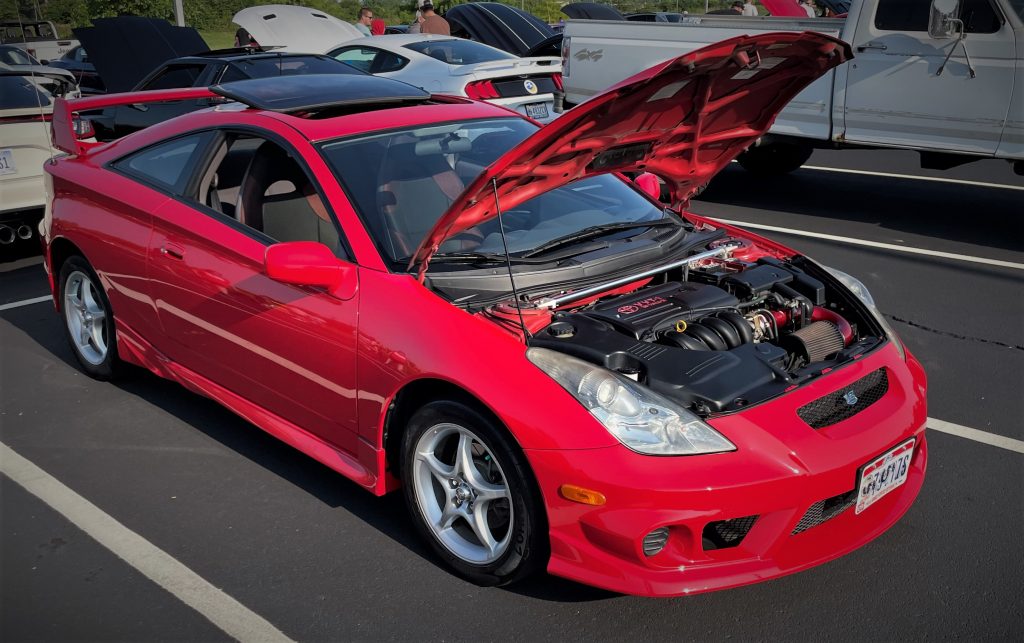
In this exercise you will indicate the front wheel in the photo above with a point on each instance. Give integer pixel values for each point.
(471, 494)
(775, 159)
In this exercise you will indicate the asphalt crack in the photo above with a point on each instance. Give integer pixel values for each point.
(946, 333)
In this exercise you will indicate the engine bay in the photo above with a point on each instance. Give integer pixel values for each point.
(722, 333)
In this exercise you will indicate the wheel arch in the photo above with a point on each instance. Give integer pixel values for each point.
(411, 397)
(61, 249)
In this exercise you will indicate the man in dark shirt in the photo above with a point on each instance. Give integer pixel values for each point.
(433, 23)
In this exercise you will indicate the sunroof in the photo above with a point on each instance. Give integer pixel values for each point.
(311, 92)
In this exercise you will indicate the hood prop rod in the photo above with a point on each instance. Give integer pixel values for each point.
(508, 262)
(555, 302)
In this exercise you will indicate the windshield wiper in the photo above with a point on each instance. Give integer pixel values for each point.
(596, 231)
(471, 257)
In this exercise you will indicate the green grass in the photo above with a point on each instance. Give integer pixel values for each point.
(218, 39)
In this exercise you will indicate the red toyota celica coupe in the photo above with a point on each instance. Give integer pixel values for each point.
(434, 294)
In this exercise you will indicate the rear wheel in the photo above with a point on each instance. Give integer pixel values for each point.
(88, 320)
(775, 159)
(471, 494)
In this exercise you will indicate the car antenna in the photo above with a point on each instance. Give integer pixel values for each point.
(508, 261)
(39, 95)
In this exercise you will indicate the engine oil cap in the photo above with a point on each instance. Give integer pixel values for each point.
(561, 330)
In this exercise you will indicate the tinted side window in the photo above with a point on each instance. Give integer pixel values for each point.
(165, 164)
(357, 57)
(259, 184)
(175, 76)
(902, 15)
(17, 92)
(979, 16)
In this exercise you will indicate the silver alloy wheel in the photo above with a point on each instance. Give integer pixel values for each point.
(86, 317)
(462, 493)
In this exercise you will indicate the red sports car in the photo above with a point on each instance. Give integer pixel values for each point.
(433, 294)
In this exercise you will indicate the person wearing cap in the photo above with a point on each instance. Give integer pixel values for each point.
(433, 23)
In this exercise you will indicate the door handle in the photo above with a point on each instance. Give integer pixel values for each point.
(872, 45)
(172, 251)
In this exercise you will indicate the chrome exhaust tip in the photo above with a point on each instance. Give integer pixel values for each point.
(6, 235)
(24, 232)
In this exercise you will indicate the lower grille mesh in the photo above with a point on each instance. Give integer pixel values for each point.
(846, 402)
(727, 533)
(825, 510)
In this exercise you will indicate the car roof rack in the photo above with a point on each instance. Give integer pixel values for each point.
(316, 92)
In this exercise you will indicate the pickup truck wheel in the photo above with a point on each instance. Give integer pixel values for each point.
(775, 159)
(471, 494)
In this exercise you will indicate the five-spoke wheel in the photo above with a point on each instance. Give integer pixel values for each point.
(88, 319)
(471, 493)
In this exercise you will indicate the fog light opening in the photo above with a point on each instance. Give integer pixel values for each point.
(655, 541)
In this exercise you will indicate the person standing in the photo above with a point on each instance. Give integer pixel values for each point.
(364, 20)
(808, 6)
(749, 9)
(736, 9)
(433, 23)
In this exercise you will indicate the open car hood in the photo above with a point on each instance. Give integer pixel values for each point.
(784, 8)
(499, 25)
(125, 49)
(295, 28)
(682, 120)
(592, 11)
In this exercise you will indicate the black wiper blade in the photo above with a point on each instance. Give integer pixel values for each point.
(596, 231)
(470, 257)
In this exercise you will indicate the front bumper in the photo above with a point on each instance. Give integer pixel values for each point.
(782, 469)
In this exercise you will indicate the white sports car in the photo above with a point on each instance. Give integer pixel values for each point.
(26, 105)
(438, 64)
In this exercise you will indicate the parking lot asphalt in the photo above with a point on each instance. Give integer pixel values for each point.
(320, 559)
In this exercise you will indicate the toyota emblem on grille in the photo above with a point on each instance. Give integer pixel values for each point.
(530, 86)
(850, 398)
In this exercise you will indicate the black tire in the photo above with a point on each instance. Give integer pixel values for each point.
(527, 549)
(103, 366)
(775, 159)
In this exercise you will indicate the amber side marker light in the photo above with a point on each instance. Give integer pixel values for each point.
(581, 495)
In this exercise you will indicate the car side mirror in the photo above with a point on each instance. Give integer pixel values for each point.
(44, 62)
(943, 21)
(309, 263)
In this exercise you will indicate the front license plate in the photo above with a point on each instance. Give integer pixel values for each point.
(882, 475)
(7, 162)
(537, 110)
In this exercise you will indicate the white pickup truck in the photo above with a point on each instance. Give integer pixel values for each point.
(37, 37)
(942, 77)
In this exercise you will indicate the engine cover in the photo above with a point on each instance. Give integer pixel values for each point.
(659, 306)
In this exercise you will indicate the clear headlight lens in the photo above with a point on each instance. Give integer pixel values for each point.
(639, 418)
(856, 287)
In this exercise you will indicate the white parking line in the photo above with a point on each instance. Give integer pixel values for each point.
(984, 437)
(912, 177)
(876, 244)
(25, 302)
(18, 264)
(235, 619)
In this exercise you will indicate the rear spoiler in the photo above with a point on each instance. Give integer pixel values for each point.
(65, 137)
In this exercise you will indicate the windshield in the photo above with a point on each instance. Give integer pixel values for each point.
(14, 56)
(401, 182)
(458, 51)
(1018, 8)
(288, 66)
(19, 92)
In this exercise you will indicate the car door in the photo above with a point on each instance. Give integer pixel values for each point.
(895, 95)
(284, 349)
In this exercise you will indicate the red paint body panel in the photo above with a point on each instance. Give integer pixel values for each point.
(318, 367)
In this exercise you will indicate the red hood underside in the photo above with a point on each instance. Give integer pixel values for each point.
(683, 120)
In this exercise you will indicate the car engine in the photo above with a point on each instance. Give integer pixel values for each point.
(723, 334)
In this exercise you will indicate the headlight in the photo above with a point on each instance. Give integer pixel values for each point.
(638, 417)
(856, 287)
